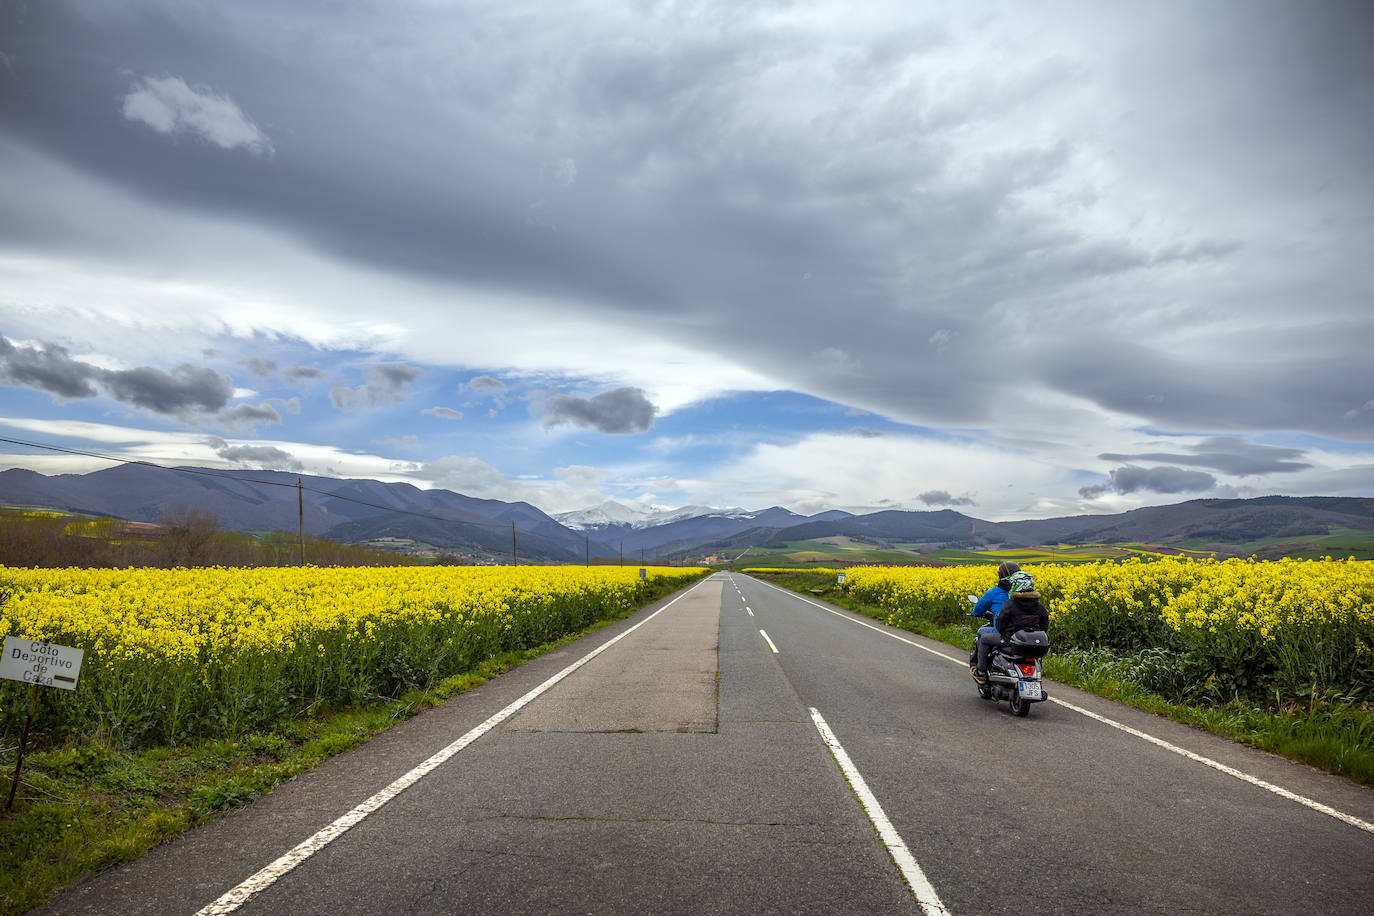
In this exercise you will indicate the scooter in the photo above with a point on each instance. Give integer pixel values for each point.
(1014, 669)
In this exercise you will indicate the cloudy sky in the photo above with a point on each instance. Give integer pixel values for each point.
(1019, 259)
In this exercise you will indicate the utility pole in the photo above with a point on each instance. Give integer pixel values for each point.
(589, 549)
(514, 560)
(622, 553)
(300, 515)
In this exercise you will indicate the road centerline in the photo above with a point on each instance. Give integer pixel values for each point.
(911, 872)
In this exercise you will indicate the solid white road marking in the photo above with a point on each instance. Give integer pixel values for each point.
(750, 610)
(1229, 771)
(769, 641)
(906, 863)
(1197, 758)
(263, 879)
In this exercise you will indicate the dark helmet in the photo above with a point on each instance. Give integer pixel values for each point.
(1005, 569)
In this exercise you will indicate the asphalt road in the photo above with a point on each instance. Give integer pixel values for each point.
(685, 768)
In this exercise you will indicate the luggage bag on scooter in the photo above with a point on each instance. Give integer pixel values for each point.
(1029, 643)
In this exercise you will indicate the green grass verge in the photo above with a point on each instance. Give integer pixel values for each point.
(84, 807)
(1330, 733)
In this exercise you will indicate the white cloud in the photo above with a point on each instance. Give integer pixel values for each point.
(581, 475)
(169, 106)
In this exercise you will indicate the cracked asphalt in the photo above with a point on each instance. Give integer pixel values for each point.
(680, 771)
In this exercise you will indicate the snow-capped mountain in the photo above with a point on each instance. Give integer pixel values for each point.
(612, 514)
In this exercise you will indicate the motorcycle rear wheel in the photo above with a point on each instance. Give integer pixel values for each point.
(1019, 706)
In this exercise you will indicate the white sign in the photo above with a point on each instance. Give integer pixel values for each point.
(842, 578)
(35, 662)
(642, 574)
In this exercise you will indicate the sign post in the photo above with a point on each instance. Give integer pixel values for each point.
(841, 579)
(40, 664)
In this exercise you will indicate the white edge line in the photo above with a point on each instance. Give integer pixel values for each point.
(769, 641)
(1197, 758)
(906, 863)
(1229, 771)
(264, 878)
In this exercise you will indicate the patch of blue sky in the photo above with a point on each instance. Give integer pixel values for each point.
(782, 415)
(1149, 430)
(1309, 442)
(1280, 439)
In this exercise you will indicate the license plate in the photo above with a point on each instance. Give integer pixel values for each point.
(1030, 690)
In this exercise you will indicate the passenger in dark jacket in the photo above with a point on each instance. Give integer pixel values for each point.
(1023, 610)
(990, 606)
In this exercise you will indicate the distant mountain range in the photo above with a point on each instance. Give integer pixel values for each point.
(681, 528)
(1219, 521)
(353, 511)
(356, 511)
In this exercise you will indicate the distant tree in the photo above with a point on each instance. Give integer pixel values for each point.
(187, 536)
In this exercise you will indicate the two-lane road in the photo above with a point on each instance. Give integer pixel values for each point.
(710, 754)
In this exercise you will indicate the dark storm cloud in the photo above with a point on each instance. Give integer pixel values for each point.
(248, 415)
(1228, 455)
(1131, 479)
(387, 383)
(943, 498)
(619, 412)
(185, 388)
(757, 175)
(295, 373)
(1309, 382)
(50, 368)
(266, 456)
(46, 367)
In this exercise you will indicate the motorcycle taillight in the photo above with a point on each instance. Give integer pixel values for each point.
(1027, 670)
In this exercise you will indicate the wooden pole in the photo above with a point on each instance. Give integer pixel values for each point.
(19, 764)
(300, 515)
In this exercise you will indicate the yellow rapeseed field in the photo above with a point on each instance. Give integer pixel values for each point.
(188, 652)
(1257, 626)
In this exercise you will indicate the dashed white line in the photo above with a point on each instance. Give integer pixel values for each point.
(906, 863)
(750, 610)
(263, 879)
(1159, 742)
(769, 641)
(876, 629)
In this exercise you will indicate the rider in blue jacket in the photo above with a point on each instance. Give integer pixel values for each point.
(988, 606)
